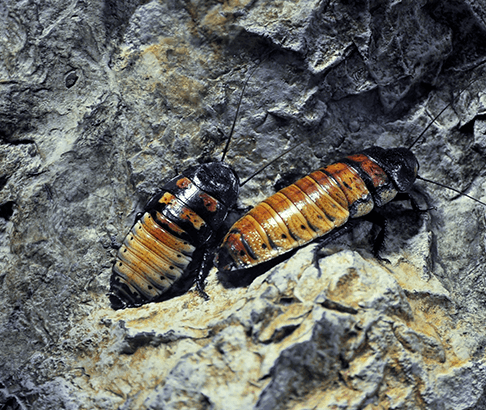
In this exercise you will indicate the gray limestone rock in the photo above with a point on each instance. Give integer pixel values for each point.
(102, 102)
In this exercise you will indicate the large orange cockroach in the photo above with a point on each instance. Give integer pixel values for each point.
(326, 199)
(317, 204)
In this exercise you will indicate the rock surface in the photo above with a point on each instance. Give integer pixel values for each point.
(101, 102)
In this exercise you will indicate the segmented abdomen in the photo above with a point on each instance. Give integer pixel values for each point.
(311, 207)
(152, 258)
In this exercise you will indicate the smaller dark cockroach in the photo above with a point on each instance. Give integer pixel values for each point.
(322, 201)
(177, 233)
(174, 235)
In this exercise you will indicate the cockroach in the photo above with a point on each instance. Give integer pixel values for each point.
(174, 234)
(177, 232)
(320, 202)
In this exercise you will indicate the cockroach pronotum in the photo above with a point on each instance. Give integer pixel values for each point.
(320, 202)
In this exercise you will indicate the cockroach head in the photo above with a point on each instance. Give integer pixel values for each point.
(400, 164)
(217, 179)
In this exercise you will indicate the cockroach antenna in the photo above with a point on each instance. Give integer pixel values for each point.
(434, 119)
(270, 163)
(429, 125)
(452, 189)
(238, 107)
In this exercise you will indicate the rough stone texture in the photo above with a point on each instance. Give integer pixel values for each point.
(101, 102)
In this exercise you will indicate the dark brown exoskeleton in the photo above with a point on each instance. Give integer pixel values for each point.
(175, 235)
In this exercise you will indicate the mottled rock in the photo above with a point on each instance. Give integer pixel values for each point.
(102, 102)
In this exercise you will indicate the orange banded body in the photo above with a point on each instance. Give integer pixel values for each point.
(177, 227)
(316, 204)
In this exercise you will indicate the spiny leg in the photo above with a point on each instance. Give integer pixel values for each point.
(203, 271)
(323, 241)
(381, 223)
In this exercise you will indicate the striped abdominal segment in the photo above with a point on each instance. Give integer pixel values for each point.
(292, 217)
(151, 257)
